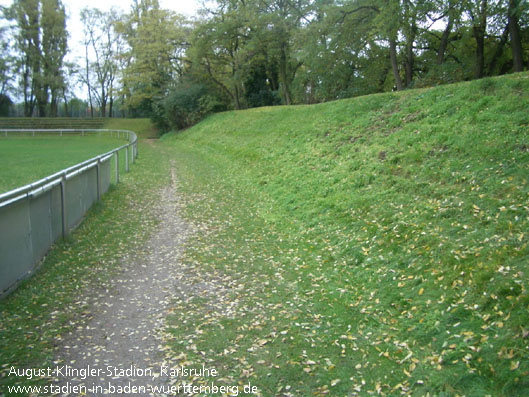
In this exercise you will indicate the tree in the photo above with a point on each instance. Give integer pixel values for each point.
(26, 16)
(5, 104)
(478, 11)
(156, 40)
(6, 63)
(41, 45)
(103, 47)
(277, 24)
(513, 15)
(54, 46)
(218, 50)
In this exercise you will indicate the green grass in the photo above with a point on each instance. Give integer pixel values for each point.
(37, 316)
(143, 127)
(27, 159)
(376, 244)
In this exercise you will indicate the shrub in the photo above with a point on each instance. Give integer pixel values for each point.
(185, 105)
(5, 104)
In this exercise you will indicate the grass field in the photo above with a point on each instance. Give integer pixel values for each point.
(27, 159)
(375, 245)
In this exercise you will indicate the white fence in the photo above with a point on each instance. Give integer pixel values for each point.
(34, 216)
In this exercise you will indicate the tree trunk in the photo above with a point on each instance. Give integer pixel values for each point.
(479, 35)
(516, 39)
(410, 56)
(111, 98)
(103, 102)
(479, 29)
(42, 100)
(271, 74)
(394, 64)
(499, 50)
(54, 109)
(444, 41)
(88, 82)
(283, 75)
(65, 104)
(237, 98)
(28, 98)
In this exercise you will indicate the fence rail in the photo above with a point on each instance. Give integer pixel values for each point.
(34, 216)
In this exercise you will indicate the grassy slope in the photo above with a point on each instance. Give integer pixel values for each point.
(27, 159)
(142, 127)
(378, 244)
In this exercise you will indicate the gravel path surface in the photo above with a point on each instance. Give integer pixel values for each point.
(121, 343)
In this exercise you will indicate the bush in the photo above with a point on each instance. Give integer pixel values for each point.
(185, 105)
(5, 104)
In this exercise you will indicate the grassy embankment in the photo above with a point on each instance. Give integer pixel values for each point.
(371, 245)
(35, 317)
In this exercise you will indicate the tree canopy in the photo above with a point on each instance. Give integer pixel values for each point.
(247, 53)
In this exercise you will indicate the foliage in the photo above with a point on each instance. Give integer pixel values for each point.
(156, 40)
(54, 47)
(5, 104)
(6, 62)
(41, 42)
(217, 51)
(185, 105)
(103, 47)
(264, 52)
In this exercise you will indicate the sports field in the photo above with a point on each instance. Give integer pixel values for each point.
(24, 160)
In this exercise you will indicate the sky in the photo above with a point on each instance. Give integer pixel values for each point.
(187, 7)
(74, 7)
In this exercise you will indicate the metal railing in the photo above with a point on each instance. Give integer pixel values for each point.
(34, 216)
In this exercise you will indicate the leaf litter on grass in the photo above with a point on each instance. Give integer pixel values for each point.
(401, 276)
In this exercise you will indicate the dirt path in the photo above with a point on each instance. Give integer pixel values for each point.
(121, 343)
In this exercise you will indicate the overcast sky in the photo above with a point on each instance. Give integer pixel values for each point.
(74, 7)
(188, 7)
(75, 27)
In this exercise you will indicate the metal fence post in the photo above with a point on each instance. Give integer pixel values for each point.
(116, 160)
(63, 207)
(127, 158)
(98, 172)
